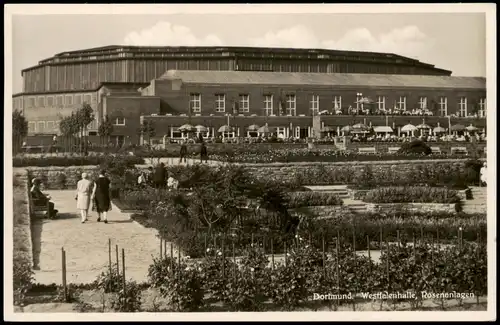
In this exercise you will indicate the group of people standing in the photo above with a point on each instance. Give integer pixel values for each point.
(157, 178)
(184, 152)
(96, 192)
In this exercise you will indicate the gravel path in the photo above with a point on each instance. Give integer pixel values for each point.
(86, 245)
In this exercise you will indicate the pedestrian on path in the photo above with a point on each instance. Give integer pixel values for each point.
(83, 193)
(183, 151)
(484, 174)
(203, 153)
(101, 197)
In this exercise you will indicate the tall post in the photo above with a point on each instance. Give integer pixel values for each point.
(117, 262)
(272, 252)
(123, 270)
(63, 260)
(109, 257)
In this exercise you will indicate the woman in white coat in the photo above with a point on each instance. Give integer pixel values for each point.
(484, 174)
(84, 191)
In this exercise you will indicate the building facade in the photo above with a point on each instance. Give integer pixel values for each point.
(172, 83)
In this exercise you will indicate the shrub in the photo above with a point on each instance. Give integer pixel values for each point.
(109, 280)
(23, 279)
(415, 194)
(61, 181)
(72, 160)
(300, 199)
(415, 147)
(128, 299)
(185, 290)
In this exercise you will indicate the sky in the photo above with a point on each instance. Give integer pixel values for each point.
(452, 41)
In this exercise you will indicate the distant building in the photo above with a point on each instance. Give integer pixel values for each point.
(174, 85)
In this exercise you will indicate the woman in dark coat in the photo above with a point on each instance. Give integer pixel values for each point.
(203, 153)
(101, 196)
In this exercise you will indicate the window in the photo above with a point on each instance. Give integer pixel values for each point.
(195, 103)
(50, 101)
(41, 101)
(268, 104)
(31, 102)
(120, 121)
(31, 127)
(381, 103)
(482, 107)
(220, 103)
(337, 103)
(41, 126)
(314, 104)
(290, 105)
(69, 100)
(443, 106)
(60, 101)
(78, 99)
(87, 99)
(422, 102)
(402, 103)
(245, 103)
(462, 106)
(50, 125)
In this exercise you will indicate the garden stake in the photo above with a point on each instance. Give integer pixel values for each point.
(179, 256)
(285, 253)
(223, 258)
(421, 234)
(380, 240)
(165, 248)
(123, 270)
(117, 261)
(337, 260)
(387, 270)
(460, 237)
(397, 234)
(161, 248)
(437, 237)
(354, 243)
(109, 256)
(63, 261)
(324, 257)
(252, 241)
(234, 261)
(205, 244)
(369, 252)
(414, 248)
(272, 253)
(432, 251)
(215, 244)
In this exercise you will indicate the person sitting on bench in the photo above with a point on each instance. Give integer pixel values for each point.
(41, 199)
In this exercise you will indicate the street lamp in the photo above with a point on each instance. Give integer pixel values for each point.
(359, 97)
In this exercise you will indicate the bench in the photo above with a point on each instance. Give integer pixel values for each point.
(436, 149)
(367, 150)
(393, 149)
(459, 150)
(38, 208)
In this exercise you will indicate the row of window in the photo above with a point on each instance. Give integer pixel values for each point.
(53, 126)
(51, 101)
(290, 104)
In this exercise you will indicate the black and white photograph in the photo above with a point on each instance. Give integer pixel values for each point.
(250, 162)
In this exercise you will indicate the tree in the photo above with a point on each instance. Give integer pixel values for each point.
(68, 126)
(105, 129)
(148, 128)
(84, 116)
(19, 130)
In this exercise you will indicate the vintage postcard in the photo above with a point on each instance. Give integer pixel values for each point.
(250, 162)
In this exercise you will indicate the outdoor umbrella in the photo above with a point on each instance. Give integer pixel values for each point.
(360, 128)
(382, 129)
(347, 128)
(408, 128)
(201, 128)
(457, 127)
(264, 129)
(471, 128)
(423, 126)
(439, 129)
(187, 128)
(225, 128)
(327, 129)
(253, 128)
(366, 100)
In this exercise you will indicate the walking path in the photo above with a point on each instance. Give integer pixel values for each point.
(86, 245)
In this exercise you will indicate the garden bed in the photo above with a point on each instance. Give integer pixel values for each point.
(22, 245)
(215, 283)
